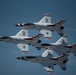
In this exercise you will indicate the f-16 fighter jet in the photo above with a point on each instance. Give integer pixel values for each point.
(61, 46)
(47, 60)
(22, 40)
(45, 26)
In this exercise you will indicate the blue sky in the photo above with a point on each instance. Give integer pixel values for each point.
(22, 11)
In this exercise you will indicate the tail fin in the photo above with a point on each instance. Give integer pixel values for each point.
(63, 40)
(22, 33)
(48, 53)
(36, 37)
(46, 19)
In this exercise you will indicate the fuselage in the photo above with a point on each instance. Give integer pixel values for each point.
(40, 26)
(63, 48)
(41, 60)
(15, 39)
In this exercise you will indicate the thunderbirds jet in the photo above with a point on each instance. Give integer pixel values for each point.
(61, 46)
(45, 26)
(22, 40)
(47, 60)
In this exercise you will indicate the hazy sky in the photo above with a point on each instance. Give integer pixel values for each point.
(22, 11)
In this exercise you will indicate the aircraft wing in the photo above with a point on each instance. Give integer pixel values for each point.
(47, 34)
(49, 67)
(62, 66)
(24, 47)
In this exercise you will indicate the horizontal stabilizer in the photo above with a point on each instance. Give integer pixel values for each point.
(63, 60)
(60, 27)
(62, 66)
(60, 23)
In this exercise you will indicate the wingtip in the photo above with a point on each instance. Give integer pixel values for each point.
(49, 38)
(25, 52)
(51, 72)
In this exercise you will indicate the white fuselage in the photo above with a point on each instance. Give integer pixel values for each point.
(45, 60)
(15, 39)
(63, 48)
(41, 26)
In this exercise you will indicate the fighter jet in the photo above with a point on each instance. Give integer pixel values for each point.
(61, 46)
(22, 40)
(45, 26)
(47, 60)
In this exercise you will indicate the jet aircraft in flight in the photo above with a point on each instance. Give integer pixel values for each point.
(47, 60)
(22, 40)
(45, 26)
(61, 46)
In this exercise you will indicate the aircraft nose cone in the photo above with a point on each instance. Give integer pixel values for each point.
(0, 37)
(18, 58)
(21, 58)
(17, 25)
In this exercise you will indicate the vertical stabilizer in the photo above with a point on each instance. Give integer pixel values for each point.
(46, 18)
(22, 33)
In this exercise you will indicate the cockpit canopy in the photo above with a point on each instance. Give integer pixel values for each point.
(30, 57)
(5, 37)
(46, 44)
(29, 24)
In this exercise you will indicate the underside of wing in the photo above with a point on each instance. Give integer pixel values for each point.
(49, 67)
(24, 47)
(47, 34)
